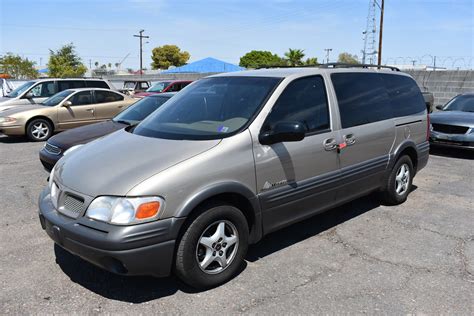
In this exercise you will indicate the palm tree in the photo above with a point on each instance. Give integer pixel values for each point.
(294, 57)
(110, 65)
(96, 64)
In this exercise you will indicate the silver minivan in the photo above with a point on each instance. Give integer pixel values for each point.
(37, 91)
(230, 159)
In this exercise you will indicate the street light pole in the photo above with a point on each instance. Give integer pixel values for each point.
(328, 50)
(380, 34)
(141, 36)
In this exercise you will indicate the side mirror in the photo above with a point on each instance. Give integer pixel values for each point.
(67, 104)
(29, 95)
(439, 107)
(283, 132)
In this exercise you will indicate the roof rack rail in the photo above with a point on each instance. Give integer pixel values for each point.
(331, 65)
(343, 65)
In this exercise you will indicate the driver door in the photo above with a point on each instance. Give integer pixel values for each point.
(295, 179)
(80, 112)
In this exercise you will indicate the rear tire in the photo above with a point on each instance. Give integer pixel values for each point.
(39, 130)
(212, 249)
(399, 182)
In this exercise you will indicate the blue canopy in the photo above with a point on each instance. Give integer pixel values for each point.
(43, 71)
(206, 65)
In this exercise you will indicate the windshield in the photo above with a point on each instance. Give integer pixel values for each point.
(212, 108)
(129, 85)
(159, 86)
(141, 109)
(18, 91)
(57, 98)
(464, 103)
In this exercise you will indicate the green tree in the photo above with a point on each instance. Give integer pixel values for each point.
(96, 64)
(168, 55)
(260, 58)
(294, 57)
(347, 58)
(109, 65)
(17, 67)
(311, 61)
(65, 63)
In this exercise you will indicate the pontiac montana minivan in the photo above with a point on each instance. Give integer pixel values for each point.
(230, 159)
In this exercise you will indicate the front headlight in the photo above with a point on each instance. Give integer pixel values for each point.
(125, 211)
(69, 150)
(6, 119)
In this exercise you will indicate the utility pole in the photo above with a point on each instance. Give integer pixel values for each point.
(380, 34)
(141, 36)
(328, 50)
(90, 64)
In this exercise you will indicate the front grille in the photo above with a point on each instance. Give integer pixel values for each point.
(54, 150)
(72, 206)
(450, 129)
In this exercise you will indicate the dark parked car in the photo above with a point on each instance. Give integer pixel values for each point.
(453, 125)
(55, 147)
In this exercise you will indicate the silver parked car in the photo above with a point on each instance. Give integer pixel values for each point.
(230, 159)
(453, 125)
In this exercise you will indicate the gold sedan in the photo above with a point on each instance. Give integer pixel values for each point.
(64, 110)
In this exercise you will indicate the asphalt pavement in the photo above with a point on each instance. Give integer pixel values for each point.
(362, 257)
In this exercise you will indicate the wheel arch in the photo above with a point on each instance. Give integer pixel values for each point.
(233, 193)
(39, 117)
(408, 148)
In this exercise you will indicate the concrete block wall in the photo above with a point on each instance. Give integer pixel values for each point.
(444, 84)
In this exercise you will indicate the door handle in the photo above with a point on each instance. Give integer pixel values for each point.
(120, 106)
(349, 139)
(90, 110)
(330, 144)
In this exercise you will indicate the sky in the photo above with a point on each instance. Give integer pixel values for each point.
(102, 30)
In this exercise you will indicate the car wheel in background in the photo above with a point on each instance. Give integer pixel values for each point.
(39, 130)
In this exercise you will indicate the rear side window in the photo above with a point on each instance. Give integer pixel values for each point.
(97, 84)
(81, 98)
(304, 100)
(362, 98)
(107, 96)
(405, 96)
(70, 84)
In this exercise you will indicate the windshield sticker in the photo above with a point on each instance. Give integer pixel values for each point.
(222, 129)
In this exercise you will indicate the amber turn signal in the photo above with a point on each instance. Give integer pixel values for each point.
(147, 210)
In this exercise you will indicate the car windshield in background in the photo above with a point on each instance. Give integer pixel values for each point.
(141, 109)
(57, 98)
(129, 85)
(212, 108)
(464, 103)
(158, 87)
(16, 92)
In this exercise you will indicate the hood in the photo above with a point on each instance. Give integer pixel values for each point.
(113, 165)
(144, 94)
(458, 118)
(84, 134)
(10, 110)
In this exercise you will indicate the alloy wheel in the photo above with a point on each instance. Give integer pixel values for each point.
(402, 179)
(217, 247)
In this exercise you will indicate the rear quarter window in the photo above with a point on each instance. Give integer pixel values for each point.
(362, 98)
(405, 96)
(97, 84)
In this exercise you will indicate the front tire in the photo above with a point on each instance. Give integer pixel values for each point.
(39, 130)
(213, 247)
(399, 182)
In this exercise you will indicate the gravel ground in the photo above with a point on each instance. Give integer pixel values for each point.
(359, 258)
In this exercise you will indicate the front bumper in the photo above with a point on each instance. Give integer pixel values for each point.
(48, 160)
(465, 141)
(13, 130)
(145, 249)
